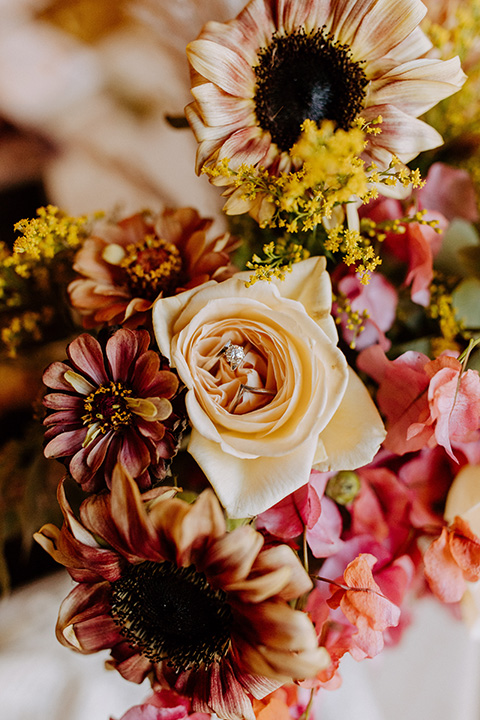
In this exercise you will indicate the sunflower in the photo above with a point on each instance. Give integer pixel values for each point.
(124, 266)
(174, 596)
(111, 402)
(258, 77)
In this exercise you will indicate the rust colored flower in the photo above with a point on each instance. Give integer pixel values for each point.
(365, 606)
(127, 265)
(172, 594)
(109, 404)
(452, 560)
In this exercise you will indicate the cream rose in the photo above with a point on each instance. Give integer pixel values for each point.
(292, 403)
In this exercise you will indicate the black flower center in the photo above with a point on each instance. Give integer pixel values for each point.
(306, 76)
(106, 408)
(153, 267)
(171, 613)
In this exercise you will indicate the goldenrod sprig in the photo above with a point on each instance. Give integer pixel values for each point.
(278, 260)
(327, 175)
(355, 320)
(31, 274)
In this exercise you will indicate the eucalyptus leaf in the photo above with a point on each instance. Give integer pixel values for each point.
(460, 236)
(466, 300)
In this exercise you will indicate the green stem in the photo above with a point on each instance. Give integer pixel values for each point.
(306, 713)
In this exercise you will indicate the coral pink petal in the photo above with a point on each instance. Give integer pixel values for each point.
(444, 575)
(225, 67)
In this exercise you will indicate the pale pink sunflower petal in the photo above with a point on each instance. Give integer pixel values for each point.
(416, 45)
(309, 14)
(255, 26)
(226, 68)
(417, 86)
(401, 134)
(372, 27)
(218, 108)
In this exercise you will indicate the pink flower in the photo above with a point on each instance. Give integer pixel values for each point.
(111, 403)
(287, 703)
(416, 246)
(454, 403)
(164, 705)
(364, 605)
(127, 265)
(427, 478)
(426, 402)
(380, 510)
(378, 298)
(309, 510)
(451, 560)
(449, 191)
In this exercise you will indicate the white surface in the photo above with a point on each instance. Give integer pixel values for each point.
(433, 673)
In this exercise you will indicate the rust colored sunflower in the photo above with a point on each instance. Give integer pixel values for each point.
(173, 595)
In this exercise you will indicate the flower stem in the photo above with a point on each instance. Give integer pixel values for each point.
(306, 713)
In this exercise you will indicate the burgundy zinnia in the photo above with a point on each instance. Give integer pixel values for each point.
(174, 596)
(110, 404)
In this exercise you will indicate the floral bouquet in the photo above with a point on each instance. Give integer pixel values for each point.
(271, 433)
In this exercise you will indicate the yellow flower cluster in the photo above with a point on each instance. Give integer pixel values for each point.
(279, 258)
(331, 173)
(28, 323)
(29, 274)
(355, 248)
(442, 309)
(328, 174)
(44, 236)
(355, 320)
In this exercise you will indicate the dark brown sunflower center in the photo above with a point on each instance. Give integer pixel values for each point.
(106, 408)
(171, 613)
(306, 76)
(153, 266)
